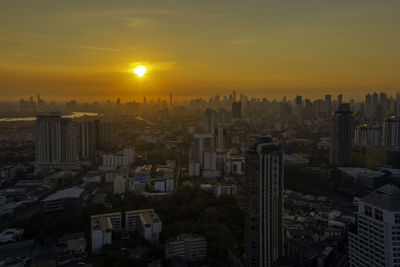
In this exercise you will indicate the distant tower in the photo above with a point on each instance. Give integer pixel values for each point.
(341, 136)
(144, 100)
(236, 110)
(234, 95)
(209, 120)
(55, 141)
(170, 99)
(264, 235)
(391, 132)
(87, 138)
(339, 100)
(219, 138)
(200, 144)
(299, 108)
(328, 104)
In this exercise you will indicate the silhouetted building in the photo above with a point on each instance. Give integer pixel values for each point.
(55, 142)
(87, 140)
(264, 203)
(200, 143)
(236, 110)
(341, 136)
(220, 138)
(391, 132)
(367, 135)
(104, 134)
(209, 120)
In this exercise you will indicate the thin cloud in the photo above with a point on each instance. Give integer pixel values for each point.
(240, 42)
(37, 39)
(141, 23)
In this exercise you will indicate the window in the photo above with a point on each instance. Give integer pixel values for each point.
(378, 215)
(397, 218)
(368, 210)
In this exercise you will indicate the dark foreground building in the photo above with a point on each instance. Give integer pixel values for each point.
(264, 203)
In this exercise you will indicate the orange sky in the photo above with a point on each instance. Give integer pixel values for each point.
(86, 49)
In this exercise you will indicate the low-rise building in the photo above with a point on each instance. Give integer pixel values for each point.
(115, 217)
(63, 200)
(187, 247)
(101, 233)
(145, 222)
(224, 190)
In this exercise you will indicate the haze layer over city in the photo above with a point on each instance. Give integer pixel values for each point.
(199, 133)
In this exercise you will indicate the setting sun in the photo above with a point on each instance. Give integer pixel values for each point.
(140, 71)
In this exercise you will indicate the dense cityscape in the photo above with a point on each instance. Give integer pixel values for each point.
(225, 181)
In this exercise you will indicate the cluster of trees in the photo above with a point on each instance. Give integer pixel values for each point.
(189, 210)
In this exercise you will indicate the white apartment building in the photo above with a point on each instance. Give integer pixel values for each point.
(376, 239)
(190, 248)
(101, 233)
(115, 217)
(124, 158)
(224, 190)
(145, 222)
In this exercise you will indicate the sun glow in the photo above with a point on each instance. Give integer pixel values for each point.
(140, 71)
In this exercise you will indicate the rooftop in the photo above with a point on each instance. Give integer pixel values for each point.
(66, 193)
(386, 197)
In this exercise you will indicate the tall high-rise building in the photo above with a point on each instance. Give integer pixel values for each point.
(200, 143)
(367, 135)
(328, 104)
(308, 110)
(299, 108)
(376, 239)
(391, 132)
(104, 134)
(219, 138)
(264, 203)
(341, 136)
(236, 110)
(209, 120)
(339, 100)
(55, 142)
(87, 140)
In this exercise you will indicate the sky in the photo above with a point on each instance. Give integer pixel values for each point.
(86, 49)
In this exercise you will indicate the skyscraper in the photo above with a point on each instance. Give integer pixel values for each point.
(209, 120)
(376, 239)
(87, 140)
(391, 132)
(328, 104)
(236, 110)
(299, 108)
(264, 203)
(219, 138)
(341, 136)
(368, 135)
(200, 143)
(339, 100)
(104, 134)
(55, 142)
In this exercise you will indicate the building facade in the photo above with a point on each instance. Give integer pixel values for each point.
(376, 239)
(391, 132)
(55, 142)
(190, 248)
(264, 166)
(341, 136)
